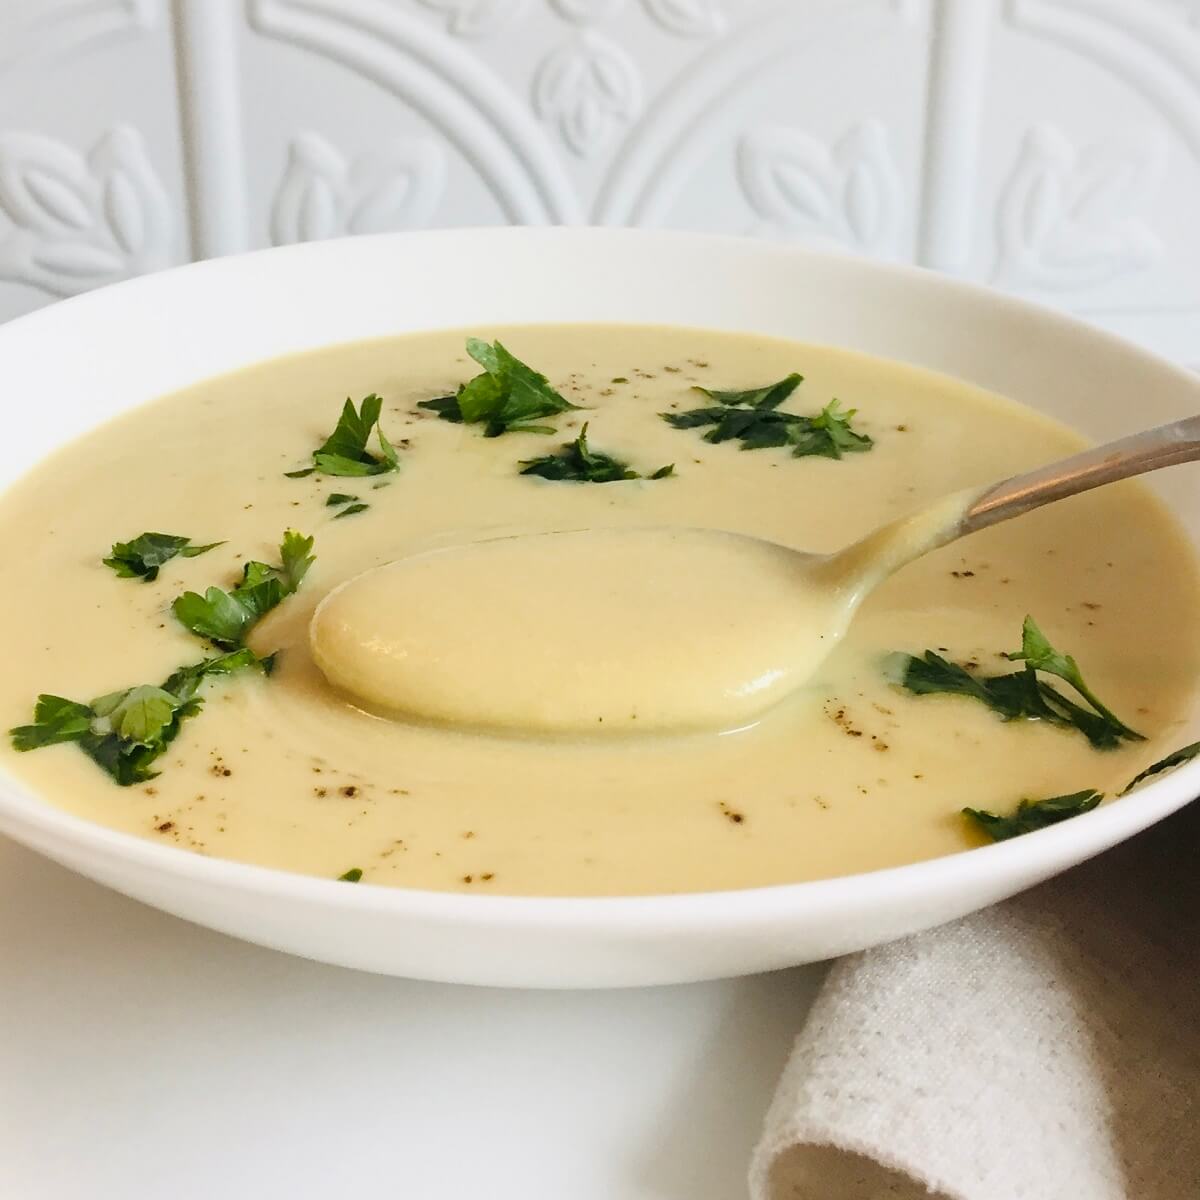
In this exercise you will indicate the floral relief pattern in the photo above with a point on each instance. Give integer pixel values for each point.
(850, 194)
(590, 87)
(322, 195)
(584, 11)
(691, 18)
(70, 222)
(33, 30)
(478, 18)
(549, 111)
(1071, 218)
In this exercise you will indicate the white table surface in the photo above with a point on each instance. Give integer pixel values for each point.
(143, 1058)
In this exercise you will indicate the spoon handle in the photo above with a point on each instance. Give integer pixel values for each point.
(1165, 446)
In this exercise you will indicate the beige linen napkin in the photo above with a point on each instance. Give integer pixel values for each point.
(1045, 1049)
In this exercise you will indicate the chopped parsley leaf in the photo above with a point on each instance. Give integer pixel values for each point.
(345, 451)
(1176, 758)
(226, 618)
(351, 876)
(142, 557)
(126, 732)
(829, 435)
(352, 503)
(1037, 814)
(1034, 814)
(754, 418)
(577, 463)
(508, 397)
(1022, 695)
(1037, 652)
(446, 407)
(771, 396)
(55, 719)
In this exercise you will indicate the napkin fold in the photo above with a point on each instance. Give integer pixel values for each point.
(1044, 1049)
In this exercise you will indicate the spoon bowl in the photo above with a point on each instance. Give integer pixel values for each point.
(636, 631)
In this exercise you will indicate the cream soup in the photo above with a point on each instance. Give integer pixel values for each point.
(320, 768)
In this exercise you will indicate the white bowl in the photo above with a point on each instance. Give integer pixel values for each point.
(71, 366)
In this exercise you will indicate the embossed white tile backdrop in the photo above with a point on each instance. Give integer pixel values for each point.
(1049, 146)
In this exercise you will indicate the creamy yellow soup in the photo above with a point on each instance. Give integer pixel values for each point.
(335, 762)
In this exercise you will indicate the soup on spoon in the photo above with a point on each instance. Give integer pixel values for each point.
(646, 629)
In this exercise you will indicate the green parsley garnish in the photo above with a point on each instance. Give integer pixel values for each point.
(226, 618)
(345, 451)
(354, 505)
(579, 464)
(1022, 695)
(769, 397)
(754, 418)
(1175, 759)
(1037, 653)
(829, 435)
(55, 720)
(1037, 814)
(751, 417)
(1034, 814)
(351, 876)
(507, 398)
(142, 557)
(126, 732)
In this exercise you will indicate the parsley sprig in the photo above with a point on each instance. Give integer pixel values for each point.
(345, 451)
(226, 618)
(828, 434)
(347, 504)
(578, 463)
(763, 398)
(1023, 694)
(1177, 758)
(142, 556)
(754, 418)
(1039, 655)
(126, 732)
(1031, 815)
(508, 397)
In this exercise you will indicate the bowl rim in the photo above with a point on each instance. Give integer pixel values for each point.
(39, 824)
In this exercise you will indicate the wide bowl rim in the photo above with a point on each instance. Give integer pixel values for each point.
(39, 824)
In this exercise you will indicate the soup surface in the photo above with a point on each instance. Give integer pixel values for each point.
(853, 771)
